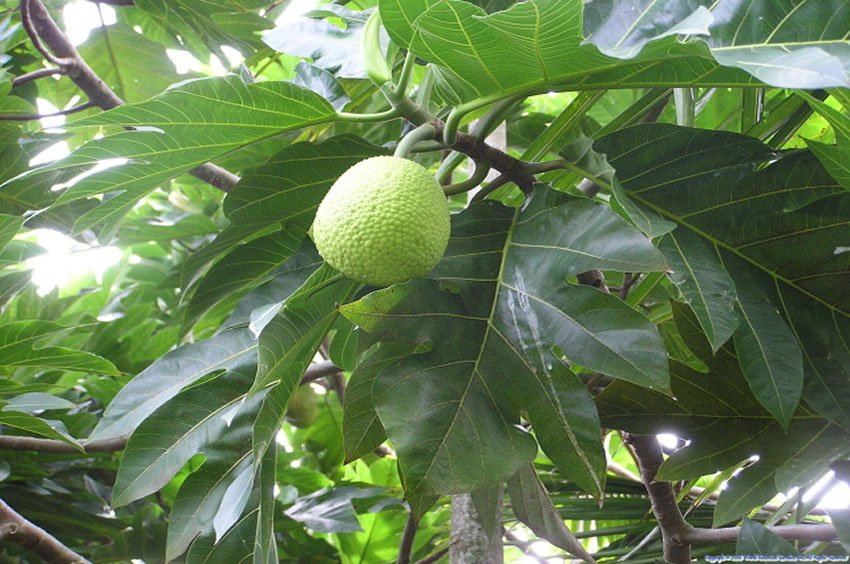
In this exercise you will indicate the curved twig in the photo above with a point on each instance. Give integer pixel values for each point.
(36, 74)
(26, 19)
(32, 117)
(478, 176)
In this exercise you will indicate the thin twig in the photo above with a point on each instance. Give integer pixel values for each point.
(629, 280)
(26, 19)
(54, 446)
(32, 117)
(15, 528)
(36, 74)
(405, 547)
(433, 557)
(319, 370)
(494, 184)
(808, 531)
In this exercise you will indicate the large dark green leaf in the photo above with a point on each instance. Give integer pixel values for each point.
(362, 430)
(493, 320)
(776, 224)
(789, 44)
(181, 129)
(201, 494)
(770, 357)
(531, 504)
(706, 286)
(263, 302)
(483, 56)
(265, 543)
(237, 545)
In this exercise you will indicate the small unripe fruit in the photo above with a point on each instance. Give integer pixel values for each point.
(385, 220)
(303, 407)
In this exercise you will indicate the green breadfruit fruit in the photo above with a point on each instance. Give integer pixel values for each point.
(303, 407)
(385, 220)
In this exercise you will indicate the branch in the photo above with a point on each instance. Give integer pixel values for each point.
(677, 534)
(12, 442)
(319, 370)
(434, 557)
(513, 169)
(478, 150)
(629, 280)
(15, 528)
(36, 74)
(406, 545)
(54, 446)
(32, 117)
(45, 28)
(809, 532)
(26, 19)
(673, 526)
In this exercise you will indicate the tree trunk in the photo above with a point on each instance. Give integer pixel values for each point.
(470, 543)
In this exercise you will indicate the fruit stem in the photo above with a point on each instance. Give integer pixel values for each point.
(373, 57)
(483, 127)
(424, 132)
(452, 123)
(365, 118)
(406, 73)
(481, 170)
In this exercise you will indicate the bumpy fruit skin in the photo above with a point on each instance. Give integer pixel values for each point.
(385, 220)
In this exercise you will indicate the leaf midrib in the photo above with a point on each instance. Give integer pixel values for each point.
(182, 438)
(475, 369)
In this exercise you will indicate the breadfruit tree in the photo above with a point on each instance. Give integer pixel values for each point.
(548, 232)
